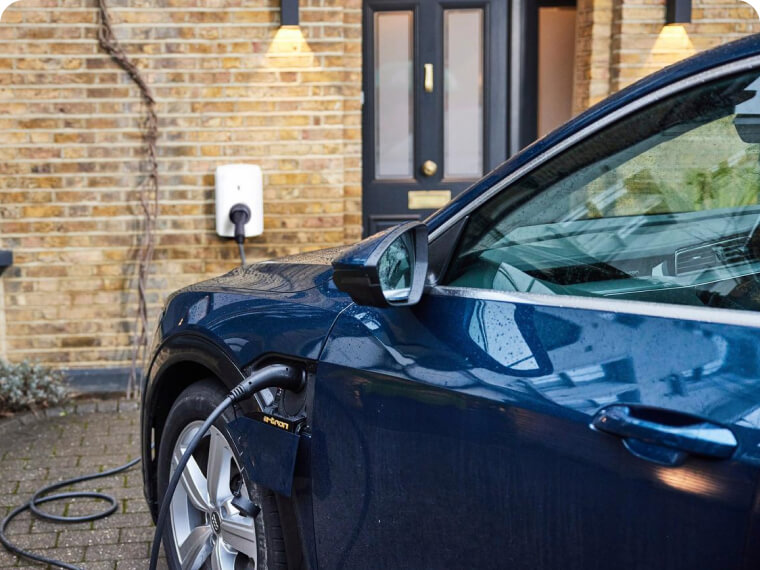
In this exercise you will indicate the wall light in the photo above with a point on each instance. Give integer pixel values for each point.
(677, 12)
(289, 13)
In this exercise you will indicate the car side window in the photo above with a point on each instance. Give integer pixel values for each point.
(662, 206)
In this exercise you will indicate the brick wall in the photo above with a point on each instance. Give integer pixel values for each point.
(621, 41)
(592, 69)
(230, 88)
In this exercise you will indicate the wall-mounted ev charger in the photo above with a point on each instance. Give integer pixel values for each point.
(239, 199)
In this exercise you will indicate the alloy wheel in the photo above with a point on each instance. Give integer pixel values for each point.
(208, 530)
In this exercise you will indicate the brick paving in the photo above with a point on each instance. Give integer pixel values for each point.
(66, 443)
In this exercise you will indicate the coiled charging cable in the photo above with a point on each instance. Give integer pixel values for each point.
(273, 376)
(41, 496)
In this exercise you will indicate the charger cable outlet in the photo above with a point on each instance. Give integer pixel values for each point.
(240, 215)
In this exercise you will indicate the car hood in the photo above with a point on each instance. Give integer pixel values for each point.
(290, 274)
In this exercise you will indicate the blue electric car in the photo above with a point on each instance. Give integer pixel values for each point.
(558, 370)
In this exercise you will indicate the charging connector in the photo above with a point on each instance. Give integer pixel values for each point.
(272, 376)
(240, 214)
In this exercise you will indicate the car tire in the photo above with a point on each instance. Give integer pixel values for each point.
(218, 529)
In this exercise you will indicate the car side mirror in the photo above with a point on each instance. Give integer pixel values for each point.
(385, 270)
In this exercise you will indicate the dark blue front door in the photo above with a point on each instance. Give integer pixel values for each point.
(456, 434)
(435, 113)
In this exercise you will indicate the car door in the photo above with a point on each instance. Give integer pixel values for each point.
(581, 387)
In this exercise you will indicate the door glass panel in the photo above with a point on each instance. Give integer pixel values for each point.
(664, 206)
(463, 93)
(556, 58)
(394, 139)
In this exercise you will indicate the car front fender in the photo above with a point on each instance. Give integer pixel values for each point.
(180, 360)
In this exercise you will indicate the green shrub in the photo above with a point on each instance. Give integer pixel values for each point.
(28, 386)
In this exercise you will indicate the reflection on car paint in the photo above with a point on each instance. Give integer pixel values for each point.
(579, 359)
(501, 403)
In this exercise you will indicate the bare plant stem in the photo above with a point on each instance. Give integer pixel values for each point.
(148, 192)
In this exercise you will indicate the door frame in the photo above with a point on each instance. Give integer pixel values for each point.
(502, 137)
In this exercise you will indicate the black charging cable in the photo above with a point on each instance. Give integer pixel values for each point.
(41, 496)
(272, 376)
(240, 215)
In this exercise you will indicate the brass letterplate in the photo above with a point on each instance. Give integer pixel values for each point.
(428, 199)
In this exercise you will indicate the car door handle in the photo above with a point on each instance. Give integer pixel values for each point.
(656, 426)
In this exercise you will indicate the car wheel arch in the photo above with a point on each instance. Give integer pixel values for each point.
(180, 361)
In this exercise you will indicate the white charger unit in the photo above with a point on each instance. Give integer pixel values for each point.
(239, 184)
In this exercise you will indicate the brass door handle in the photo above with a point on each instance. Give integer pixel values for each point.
(428, 82)
(429, 168)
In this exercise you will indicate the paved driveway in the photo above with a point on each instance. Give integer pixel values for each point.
(100, 436)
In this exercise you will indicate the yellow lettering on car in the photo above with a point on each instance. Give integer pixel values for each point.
(277, 423)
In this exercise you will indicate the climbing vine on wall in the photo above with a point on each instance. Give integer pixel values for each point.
(148, 190)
